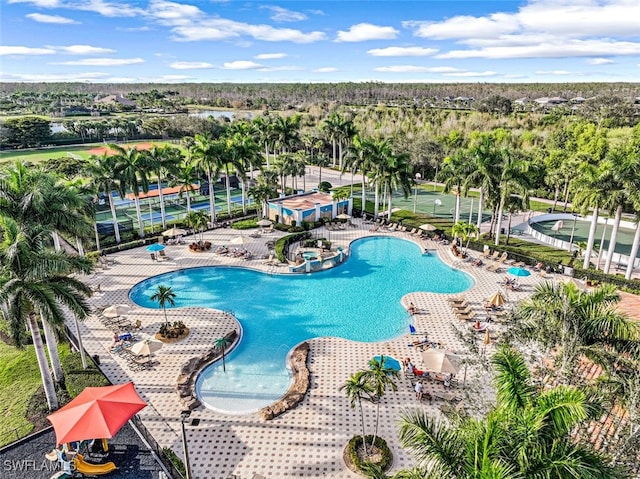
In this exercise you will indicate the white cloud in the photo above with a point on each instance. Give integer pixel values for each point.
(567, 48)
(541, 29)
(325, 70)
(284, 68)
(269, 56)
(416, 69)
(41, 18)
(241, 65)
(103, 62)
(366, 31)
(464, 27)
(555, 72)
(471, 74)
(599, 61)
(39, 3)
(171, 13)
(279, 14)
(222, 29)
(190, 65)
(169, 78)
(18, 50)
(52, 77)
(402, 52)
(82, 50)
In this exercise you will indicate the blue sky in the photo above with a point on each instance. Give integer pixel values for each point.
(451, 41)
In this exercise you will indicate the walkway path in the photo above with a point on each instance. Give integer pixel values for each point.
(307, 441)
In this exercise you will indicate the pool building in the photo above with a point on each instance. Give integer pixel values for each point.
(307, 207)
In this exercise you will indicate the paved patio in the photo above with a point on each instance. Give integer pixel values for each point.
(309, 440)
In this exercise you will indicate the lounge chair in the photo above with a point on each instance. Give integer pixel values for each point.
(503, 257)
(163, 255)
(495, 267)
(486, 253)
(457, 300)
(466, 317)
(495, 255)
(466, 309)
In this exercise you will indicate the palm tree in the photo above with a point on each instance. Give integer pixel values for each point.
(514, 180)
(261, 192)
(164, 161)
(331, 128)
(102, 176)
(454, 173)
(221, 344)
(35, 281)
(394, 176)
(198, 221)
(359, 156)
(357, 388)
(132, 173)
(186, 176)
(591, 193)
(464, 231)
(164, 296)
(207, 155)
(571, 322)
(380, 377)
(526, 435)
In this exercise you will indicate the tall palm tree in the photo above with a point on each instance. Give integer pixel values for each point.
(357, 388)
(186, 176)
(394, 176)
(35, 282)
(221, 344)
(164, 296)
(454, 173)
(526, 435)
(132, 173)
(484, 173)
(164, 161)
(261, 192)
(345, 133)
(514, 180)
(359, 157)
(380, 377)
(571, 322)
(101, 171)
(591, 193)
(208, 156)
(331, 129)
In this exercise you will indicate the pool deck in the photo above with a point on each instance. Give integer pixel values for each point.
(309, 440)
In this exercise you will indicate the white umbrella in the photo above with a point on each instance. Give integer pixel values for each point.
(441, 361)
(174, 232)
(239, 240)
(116, 310)
(427, 227)
(264, 222)
(146, 347)
(343, 216)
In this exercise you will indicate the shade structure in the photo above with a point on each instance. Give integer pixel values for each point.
(343, 216)
(155, 247)
(239, 240)
(427, 227)
(174, 232)
(146, 347)
(116, 310)
(441, 361)
(264, 223)
(518, 271)
(97, 412)
(497, 299)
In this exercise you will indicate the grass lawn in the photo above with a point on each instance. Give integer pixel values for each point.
(19, 380)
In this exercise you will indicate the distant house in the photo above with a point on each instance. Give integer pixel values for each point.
(118, 99)
(545, 101)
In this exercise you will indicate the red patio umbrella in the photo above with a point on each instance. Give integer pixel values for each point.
(97, 412)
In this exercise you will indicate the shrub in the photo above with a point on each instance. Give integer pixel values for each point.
(175, 460)
(325, 187)
(245, 224)
(356, 442)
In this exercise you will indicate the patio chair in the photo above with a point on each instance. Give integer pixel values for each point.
(153, 257)
(466, 316)
(163, 255)
(495, 267)
(502, 257)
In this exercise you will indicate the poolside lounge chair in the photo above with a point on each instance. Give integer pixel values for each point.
(503, 257)
(495, 267)
(458, 300)
(495, 255)
(163, 255)
(486, 253)
(462, 310)
(467, 316)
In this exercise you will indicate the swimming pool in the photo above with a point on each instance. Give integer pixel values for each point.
(358, 300)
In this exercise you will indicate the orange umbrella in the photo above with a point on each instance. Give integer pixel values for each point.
(97, 412)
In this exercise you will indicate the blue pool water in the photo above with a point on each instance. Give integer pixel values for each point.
(358, 300)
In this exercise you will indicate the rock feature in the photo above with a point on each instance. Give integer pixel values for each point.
(189, 372)
(299, 387)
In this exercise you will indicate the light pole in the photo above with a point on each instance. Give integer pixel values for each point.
(436, 202)
(184, 415)
(415, 196)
